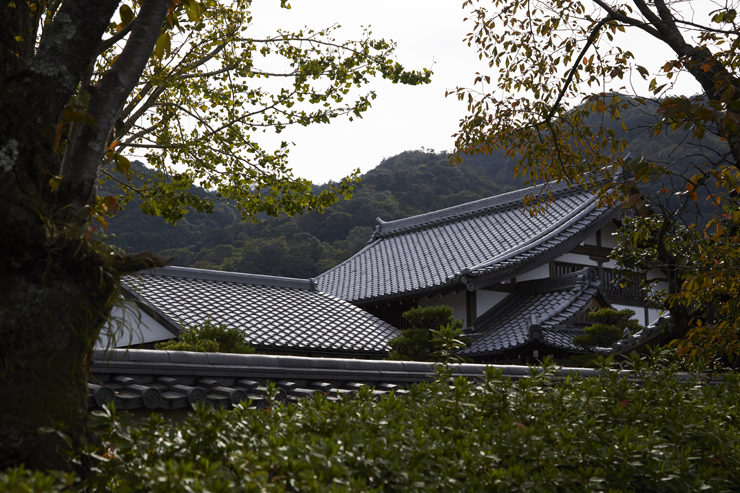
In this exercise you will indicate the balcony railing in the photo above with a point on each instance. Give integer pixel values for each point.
(609, 281)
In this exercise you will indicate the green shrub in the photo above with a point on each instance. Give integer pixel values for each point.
(418, 342)
(208, 338)
(608, 327)
(543, 433)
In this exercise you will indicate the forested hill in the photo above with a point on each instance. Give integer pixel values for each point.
(410, 183)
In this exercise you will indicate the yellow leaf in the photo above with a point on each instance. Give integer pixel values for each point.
(103, 222)
(57, 137)
(54, 182)
(163, 46)
(79, 116)
(122, 164)
(193, 10)
(19, 39)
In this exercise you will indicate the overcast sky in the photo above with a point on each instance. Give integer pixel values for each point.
(429, 34)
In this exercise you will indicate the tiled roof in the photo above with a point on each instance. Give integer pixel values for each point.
(273, 312)
(541, 310)
(490, 237)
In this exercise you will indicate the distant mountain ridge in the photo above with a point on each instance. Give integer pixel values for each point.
(410, 183)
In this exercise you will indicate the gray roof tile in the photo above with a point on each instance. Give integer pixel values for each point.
(453, 245)
(273, 313)
(545, 313)
(176, 395)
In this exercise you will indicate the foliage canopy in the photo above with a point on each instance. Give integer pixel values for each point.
(211, 87)
(561, 76)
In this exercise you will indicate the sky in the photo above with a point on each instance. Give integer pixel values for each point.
(429, 34)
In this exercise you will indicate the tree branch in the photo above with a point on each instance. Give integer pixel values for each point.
(107, 43)
(84, 154)
(121, 182)
(571, 73)
(618, 16)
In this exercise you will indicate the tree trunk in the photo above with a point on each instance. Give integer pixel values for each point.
(18, 26)
(51, 314)
(56, 285)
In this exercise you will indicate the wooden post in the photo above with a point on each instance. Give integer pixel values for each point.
(471, 303)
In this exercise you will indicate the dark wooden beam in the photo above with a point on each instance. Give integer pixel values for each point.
(500, 287)
(471, 305)
(627, 300)
(592, 251)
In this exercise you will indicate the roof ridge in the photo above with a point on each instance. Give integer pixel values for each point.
(586, 279)
(468, 209)
(234, 277)
(628, 341)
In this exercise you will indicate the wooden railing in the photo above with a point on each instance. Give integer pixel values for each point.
(609, 281)
(631, 290)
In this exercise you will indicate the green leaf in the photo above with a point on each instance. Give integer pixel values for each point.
(122, 164)
(163, 46)
(127, 15)
(193, 10)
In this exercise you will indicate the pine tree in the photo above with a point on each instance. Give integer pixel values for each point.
(608, 327)
(416, 343)
(209, 338)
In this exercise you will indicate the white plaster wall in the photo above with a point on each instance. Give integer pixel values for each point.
(537, 273)
(608, 236)
(456, 300)
(577, 258)
(137, 328)
(608, 240)
(652, 314)
(488, 299)
(655, 274)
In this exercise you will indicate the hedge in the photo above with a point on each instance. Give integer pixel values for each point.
(544, 433)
